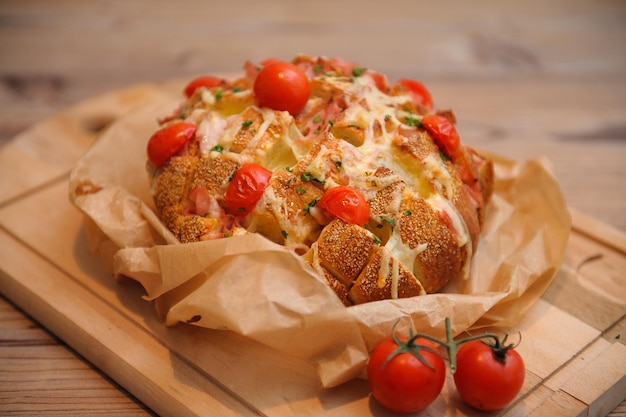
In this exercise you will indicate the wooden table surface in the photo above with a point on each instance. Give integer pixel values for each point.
(525, 79)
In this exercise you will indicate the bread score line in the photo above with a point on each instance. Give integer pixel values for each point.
(425, 194)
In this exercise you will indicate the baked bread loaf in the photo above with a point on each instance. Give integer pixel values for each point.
(362, 178)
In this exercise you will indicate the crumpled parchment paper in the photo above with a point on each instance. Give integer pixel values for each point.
(256, 288)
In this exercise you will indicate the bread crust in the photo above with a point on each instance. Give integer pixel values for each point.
(344, 249)
(384, 277)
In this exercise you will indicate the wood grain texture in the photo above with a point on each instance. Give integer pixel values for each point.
(525, 79)
(44, 364)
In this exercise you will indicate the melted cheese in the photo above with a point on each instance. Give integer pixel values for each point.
(459, 226)
(403, 253)
(395, 278)
(383, 271)
(318, 166)
(210, 130)
(437, 173)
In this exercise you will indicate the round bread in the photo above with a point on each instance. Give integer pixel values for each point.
(425, 207)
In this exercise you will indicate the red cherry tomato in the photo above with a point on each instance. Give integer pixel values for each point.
(488, 379)
(201, 82)
(168, 140)
(379, 80)
(405, 384)
(246, 188)
(443, 132)
(347, 203)
(282, 86)
(418, 92)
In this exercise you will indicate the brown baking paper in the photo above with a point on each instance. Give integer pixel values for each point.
(258, 289)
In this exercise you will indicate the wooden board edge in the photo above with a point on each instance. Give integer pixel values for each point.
(51, 300)
(597, 230)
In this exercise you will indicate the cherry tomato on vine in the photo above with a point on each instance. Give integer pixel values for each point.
(347, 203)
(402, 382)
(488, 378)
(206, 81)
(168, 140)
(246, 188)
(282, 86)
(418, 92)
(443, 132)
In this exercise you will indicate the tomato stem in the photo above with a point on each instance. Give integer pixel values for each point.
(498, 346)
(411, 347)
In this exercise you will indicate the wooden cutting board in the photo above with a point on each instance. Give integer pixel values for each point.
(573, 336)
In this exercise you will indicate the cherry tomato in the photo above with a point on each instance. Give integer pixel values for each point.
(347, 203)
(418, 92)
(196, 83)
(488, 379)
(443, 132)
(168, 140)
(403, 383)
(379, 80)
(282, 86)
(246, 188)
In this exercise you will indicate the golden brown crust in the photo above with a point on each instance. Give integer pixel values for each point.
(252, 119)
(214, 173)
(441, 258)
(283, 215)
(344, 249)
(386, 201)
(465, 206)
(337, 287)
(322, 163)
(173, 186)
(192, 228)
(383, 278)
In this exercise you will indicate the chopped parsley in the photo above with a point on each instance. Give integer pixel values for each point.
(310, 204)
(306, 176)
(217, 148)
(317, 119)
(247, 123)
(389, 220)
(300, 190)
(338, 165)
(413, 121)
(407, 212)
(218, 95)
(357, 71)
(284, 233)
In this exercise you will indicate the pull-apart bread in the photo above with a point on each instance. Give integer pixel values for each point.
(362, 178)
